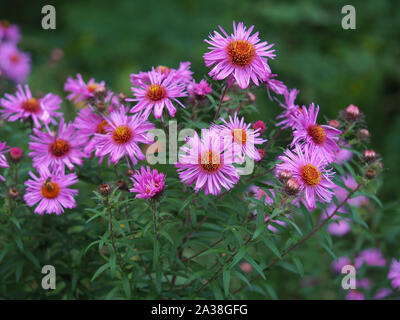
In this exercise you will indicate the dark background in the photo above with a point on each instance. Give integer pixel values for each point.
(331, 66)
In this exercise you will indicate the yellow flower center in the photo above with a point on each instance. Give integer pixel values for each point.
(239, 136)
(31, 105)
(50, 190)
(163, 69)
(59, 147)
(122, 134)
(210, 162)
(241, 52)
(101, 127)
(310, 175)
(92, 87)
(317, 134)
(155, 92)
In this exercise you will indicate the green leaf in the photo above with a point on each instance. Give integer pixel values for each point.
(100, 270)
(226, 276)
(255, 266)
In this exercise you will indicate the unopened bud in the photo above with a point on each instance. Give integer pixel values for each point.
(251, 96)
(122, 97)
(100, 92)
(334, 123)
(292, 186)
(284, 176)
(121, 184)
(363, 134)
(13, 193)
(262, 153)
(226, 98)
(369, 156)
(101, 106)
(352, 112)
(246, 267)
(130, 172)
(370, 174)
(16, 154)
(105, 189)
(259, 124)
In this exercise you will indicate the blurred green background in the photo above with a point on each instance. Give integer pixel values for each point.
(331, 66)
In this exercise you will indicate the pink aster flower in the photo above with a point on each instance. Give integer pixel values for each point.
(57, 150)
(307, 166)
(9, 32)
(338, 226)
(203, 162)
(51, 192)
(372, 257)
(343, 154)
(338, 264)
(199, 90)
(158, 94)
(79, 90)
(259, 193)
(147, 183)
(290, 114)
(342, 193)
(355, 295)
(321, 137)
(23, 105)
(383, 293)
(14, 63)
(3, 159)
(180, 75)
(394, 274)
(242, 136)
(275, 85)
(240, 55)
(123, 135)
(88, 123)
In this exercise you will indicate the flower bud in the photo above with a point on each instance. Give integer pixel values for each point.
(292, 186)
(1, 73)
(251, 96)
(259, 125)
(100, 92)
(101, 106)
(284, 176)
(262, 153)
(105, 189)
(122, 97)
(13, 193)
(16, 154)
(334, 123)
(369, 156)
(246, 267)
(121, 184)
(352, 112)
(130, 172)
(363, 134)
(370, 174)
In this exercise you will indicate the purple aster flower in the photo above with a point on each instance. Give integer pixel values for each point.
(14, 63)
(290, 114)
(341, 193)
(51, 191)
(79, 90)
(343, 154)
(321, 137)
(123, 135)
(203, 162)
(240, 55)
(383, 293)
(243, 137)
(159, 93)
(23, 105)
(199, 90)
(365, 283)
(372, 257)
(338, 226)
(275, 85)
(307, 166)
(355, 295)
(259, 193)
(3, 159)
(58, 150)
(338, 264)
(147, 183)
(9, 32)
(394, 274)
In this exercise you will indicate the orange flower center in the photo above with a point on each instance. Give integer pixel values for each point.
(241, 52)
(210, 162)
(50, 190)
(239, 136)
(122, 134)
(155, 92)
(101, 127)
(317, 134)
(163, 69)
(5, 24)
(92, 87)
(15, 58)
(310, 175)
(31, 105)
(60, 147)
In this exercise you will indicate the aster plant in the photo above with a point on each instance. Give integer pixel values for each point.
(237, 200)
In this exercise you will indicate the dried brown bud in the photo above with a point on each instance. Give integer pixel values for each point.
(334, 123)
(122, 185)
(292, 186)
(130, 172)
(364, 134)
(369, 156)
(13, 193)
(105, 189)
(370, 174)
(101, 106)
(122, 97)
(284, 176)
(100, 92)
(352, 112)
